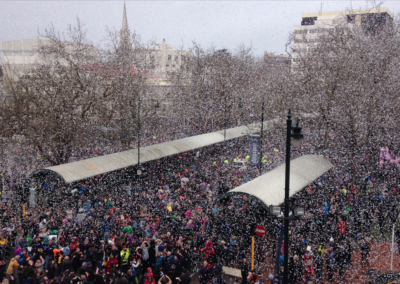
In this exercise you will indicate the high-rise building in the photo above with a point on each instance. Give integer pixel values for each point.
(315, 25)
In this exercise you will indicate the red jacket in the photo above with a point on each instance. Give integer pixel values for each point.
(309, 271)
(74, 246)
(341, 227)
(207, 252)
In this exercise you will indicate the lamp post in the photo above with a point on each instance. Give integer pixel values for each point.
(262, 134)
(225, 118)
(157, 105)
(138, 134)
(240, 106)
(297, 138)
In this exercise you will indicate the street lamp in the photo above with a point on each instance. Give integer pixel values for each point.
(275, 210)
(139, 172)
(240, 106)
(225, 117)
(297, 137)
(296, 141)
(299, 211)
(157, 105)
(262, 134)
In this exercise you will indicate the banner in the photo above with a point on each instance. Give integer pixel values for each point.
(255, 150)
(277, 277)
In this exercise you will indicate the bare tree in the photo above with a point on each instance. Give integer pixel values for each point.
(74, 95)
(213, 83)
(349, 81)
(132, 80)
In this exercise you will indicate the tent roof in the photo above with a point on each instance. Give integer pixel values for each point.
(80, 170)
(270, 187)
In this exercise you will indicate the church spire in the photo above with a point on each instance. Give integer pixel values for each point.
(125, 46)
(124, 20)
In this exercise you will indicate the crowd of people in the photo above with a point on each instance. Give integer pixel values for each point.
(168, 226)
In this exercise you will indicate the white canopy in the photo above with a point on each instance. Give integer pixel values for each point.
(80, 170)
(270, 187)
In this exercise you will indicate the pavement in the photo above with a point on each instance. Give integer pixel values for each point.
(378, 272)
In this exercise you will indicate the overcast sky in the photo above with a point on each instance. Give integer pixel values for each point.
(263, 24)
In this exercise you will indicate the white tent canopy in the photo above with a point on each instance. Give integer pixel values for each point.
(270, 187)
(80, 170)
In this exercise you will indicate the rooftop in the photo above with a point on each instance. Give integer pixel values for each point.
(349, 12)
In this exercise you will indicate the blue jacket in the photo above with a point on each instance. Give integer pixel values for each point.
(66, 250)
(169, 263)
(160, 261)
(232, 245)
(325, 208)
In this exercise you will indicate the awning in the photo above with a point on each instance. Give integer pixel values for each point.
(269, 188)
(84, 169)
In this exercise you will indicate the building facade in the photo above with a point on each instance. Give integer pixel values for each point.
(161, 59)
(315, 25)
(166, 59)
(274, 60)
(17, 54)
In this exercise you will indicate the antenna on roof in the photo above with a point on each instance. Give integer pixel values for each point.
(320, 10)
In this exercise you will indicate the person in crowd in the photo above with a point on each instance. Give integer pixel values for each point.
(365, 249)
(168, 224)
(318, 266)
(184, 278)
(204, 273)
(244, 270)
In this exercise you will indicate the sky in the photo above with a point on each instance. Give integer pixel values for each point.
(263, 25)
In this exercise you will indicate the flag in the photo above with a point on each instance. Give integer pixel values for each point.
(255, 150)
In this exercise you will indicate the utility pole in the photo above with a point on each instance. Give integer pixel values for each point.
(287, 200)
(262, 134)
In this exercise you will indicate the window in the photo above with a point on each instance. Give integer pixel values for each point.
(300, 40)
(167, 65)
(183, 58)
(308, 21)
(169, 57)
(176, 57)
(300, 50)
(300, 32)
(173, 65)
(321, 30)
(152, 57)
